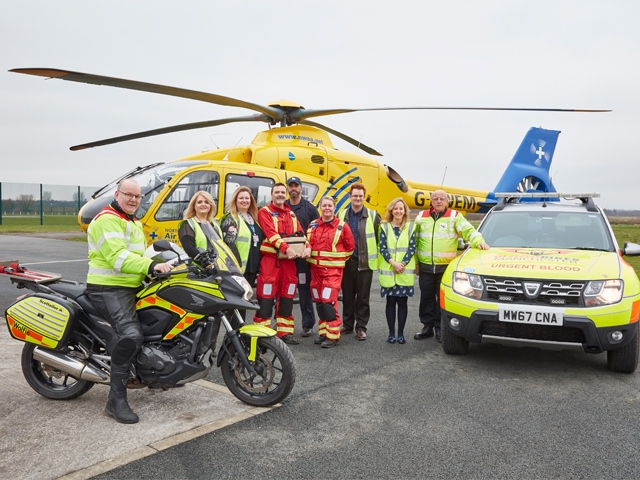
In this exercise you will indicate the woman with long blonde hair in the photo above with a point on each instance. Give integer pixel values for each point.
(397, 265)
(199, 229)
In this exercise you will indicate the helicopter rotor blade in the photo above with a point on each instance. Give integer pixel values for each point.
(302, 114)
(344, 137)
(176, 128)
(79, 77)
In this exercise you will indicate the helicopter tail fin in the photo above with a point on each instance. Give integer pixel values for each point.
(529, 168)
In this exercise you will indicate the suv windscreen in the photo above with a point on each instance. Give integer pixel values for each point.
(571, 230)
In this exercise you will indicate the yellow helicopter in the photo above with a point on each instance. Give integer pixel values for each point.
(292, 146)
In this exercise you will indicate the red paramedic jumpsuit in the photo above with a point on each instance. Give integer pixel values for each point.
(332, 244)
(278, 278)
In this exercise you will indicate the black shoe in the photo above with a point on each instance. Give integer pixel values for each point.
(438, 338)
(290, 339)
(401, 339)
(391, 339)
(117, 405)
(329, 343)
(426, 332)
(319, 340)
(307, 332)
(119, 409)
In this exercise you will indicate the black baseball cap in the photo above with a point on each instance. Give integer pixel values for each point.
(294, 180)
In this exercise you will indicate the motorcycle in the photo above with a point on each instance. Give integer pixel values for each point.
(66, 340)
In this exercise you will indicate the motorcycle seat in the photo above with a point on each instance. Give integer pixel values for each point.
(71, 290)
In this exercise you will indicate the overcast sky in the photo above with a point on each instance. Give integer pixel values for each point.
(329, 54)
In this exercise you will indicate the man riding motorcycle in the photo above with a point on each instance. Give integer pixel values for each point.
(116, 271)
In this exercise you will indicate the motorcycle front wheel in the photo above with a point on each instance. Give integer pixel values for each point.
(276, 373)
(49, 381)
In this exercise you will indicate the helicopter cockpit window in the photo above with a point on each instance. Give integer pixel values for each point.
(153, 180)
(260, 187)
(177, 202)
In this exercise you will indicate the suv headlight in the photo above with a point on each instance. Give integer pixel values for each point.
(467, 285)
(248, 291)
(603, 292)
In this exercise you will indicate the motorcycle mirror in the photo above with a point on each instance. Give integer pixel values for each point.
(162, 246)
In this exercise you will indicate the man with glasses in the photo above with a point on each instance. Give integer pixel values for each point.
(358, 271)
(437, 231)
(116, 271)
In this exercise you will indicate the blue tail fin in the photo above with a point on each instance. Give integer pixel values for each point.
(529, 168)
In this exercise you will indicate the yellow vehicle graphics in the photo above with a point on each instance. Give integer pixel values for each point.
(38, 320)
(551, 265)
(186, 319)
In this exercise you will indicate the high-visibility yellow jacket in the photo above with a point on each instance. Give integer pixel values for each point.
(367, 237)
(437, 238)
(116, 245)
(397, 248)
(243, 238)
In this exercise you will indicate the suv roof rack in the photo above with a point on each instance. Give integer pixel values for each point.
(510, 197)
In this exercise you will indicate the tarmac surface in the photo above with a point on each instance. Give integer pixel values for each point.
(45, 439)
(365, 409)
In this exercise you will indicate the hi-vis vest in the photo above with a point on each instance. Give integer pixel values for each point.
(243, 240)
(200, 237)
(397, 248)
(224, 254)
(372, 245)
(272, 245)
(116, 245)
(322, 258)
(437, 240)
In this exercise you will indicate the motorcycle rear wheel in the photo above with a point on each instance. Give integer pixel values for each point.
(48, 381)
(276, 380)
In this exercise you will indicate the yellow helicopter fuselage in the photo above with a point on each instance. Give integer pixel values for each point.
(274, 156)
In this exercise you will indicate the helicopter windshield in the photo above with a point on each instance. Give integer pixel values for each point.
(151, 179)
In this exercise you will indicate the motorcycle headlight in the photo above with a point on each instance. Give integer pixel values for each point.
(603, 292)
(467, 285)
(248, 290)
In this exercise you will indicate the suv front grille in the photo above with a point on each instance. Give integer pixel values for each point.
(523, 291)
(532, 332)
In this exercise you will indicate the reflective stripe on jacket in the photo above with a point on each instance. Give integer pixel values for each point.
(331, 243)
(201, 238)
(243, 239)
(116, 245)
(397, 248)
(277, 223)
(437, 240)
(371, 240)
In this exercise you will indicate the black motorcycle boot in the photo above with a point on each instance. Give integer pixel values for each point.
(117, 405)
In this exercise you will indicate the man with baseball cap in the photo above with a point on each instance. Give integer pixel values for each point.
(306, 213)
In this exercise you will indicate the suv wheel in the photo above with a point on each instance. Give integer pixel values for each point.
(625, 359)
(452, 344)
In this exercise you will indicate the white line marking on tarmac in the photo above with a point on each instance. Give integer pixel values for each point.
(57, 261)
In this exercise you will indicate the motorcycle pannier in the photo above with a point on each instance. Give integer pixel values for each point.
(43, 319)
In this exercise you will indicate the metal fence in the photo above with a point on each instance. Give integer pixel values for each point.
(39, 200)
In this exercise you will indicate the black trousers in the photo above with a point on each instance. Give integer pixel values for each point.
(117, 305)
(304, 293)
(429, 310)
(356, 289)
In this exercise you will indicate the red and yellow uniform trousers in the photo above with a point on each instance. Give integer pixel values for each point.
(332, 244)
(278, 279)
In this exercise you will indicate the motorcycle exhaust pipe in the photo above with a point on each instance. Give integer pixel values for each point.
(72, 366)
